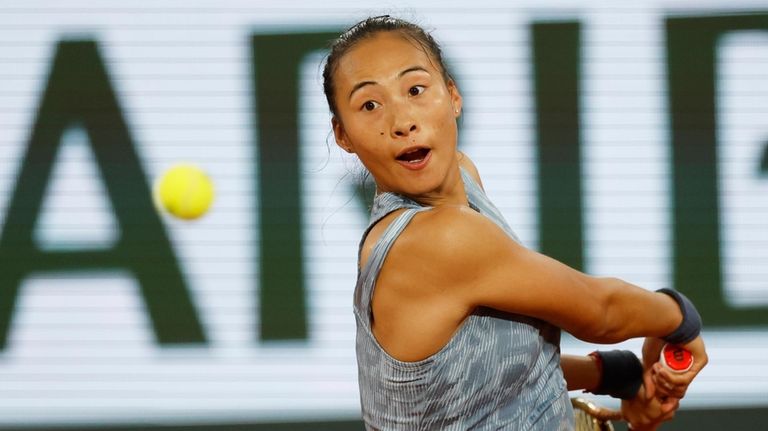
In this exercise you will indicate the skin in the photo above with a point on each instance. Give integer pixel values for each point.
(387, 104)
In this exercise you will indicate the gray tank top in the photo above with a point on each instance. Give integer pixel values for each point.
(498, 371)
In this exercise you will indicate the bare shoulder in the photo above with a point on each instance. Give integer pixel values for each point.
(450, 224)
(440, 237)
(450, 243)
(467, 163)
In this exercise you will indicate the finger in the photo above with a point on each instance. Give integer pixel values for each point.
(670, 384)
(668, 416)
(670, 405)
(649, 384)
(665, 390)
(677, 379)
(662, 388)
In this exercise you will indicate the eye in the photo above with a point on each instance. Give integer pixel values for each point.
(370, 105)
(416, 90)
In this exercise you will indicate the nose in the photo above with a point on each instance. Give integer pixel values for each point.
(403, 132)
(403, 125)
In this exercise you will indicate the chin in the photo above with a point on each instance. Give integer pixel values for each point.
(428, 181)
(422, 188)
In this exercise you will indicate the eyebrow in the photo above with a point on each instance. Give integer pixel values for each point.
(362, 84)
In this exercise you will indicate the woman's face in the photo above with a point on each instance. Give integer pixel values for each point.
(397, 114)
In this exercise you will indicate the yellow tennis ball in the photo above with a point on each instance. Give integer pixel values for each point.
(185, 191)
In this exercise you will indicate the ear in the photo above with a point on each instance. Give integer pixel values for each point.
(456, 99)
(341, 136)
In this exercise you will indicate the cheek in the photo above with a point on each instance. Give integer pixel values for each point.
(370, 143)
(447, 122)
(442, 112)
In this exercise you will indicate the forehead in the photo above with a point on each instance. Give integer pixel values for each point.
(381, 56)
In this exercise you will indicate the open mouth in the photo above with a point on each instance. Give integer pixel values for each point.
(414, 156)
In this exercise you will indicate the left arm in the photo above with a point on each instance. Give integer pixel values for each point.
(580, 372)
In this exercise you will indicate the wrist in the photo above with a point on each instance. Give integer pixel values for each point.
(621, 373)
(597, 360)
(690, 326)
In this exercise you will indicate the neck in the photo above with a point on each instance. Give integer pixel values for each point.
(452, 192)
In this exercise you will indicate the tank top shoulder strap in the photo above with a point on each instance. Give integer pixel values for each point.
(383, 204)
(370, 269)
(481, 203)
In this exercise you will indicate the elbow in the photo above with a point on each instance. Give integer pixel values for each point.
(614, 321)
(610, 336)
(609, 324)
(603, 333)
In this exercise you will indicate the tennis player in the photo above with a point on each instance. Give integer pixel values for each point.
(458, 324)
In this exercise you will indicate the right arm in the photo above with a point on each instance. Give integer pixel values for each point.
(484, 267)
(473, 263)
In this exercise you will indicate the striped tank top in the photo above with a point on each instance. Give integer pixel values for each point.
(498, 371)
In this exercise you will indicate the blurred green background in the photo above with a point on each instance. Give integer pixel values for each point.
(624, 140)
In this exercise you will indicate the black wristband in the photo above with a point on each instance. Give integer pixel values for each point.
(690, 327)
(622, 374)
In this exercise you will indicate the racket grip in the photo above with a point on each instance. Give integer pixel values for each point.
(676, 358)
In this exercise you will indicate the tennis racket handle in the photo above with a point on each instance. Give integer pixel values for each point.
(676, 358)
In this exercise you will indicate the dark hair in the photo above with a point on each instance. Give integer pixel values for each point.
(368, 28)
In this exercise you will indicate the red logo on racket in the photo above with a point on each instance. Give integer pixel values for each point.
(676, 358)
